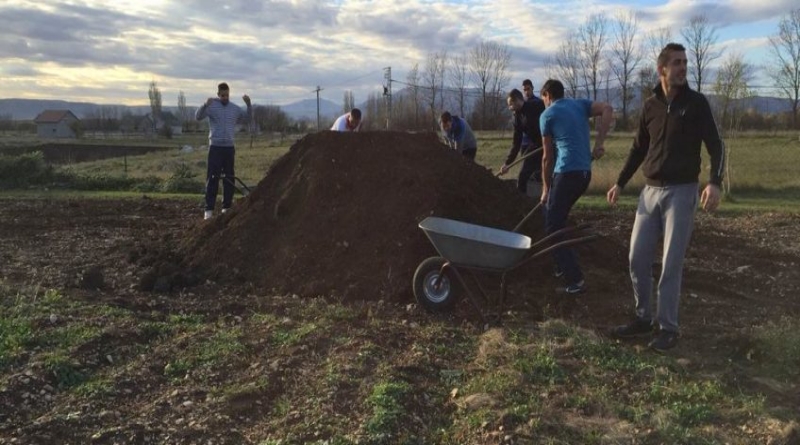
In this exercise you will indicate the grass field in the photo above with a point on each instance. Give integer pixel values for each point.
(763, 172)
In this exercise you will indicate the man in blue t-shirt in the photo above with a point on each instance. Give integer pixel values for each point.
(567, 165)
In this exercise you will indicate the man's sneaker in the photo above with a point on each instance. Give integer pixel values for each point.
(208, 214)
(636, 328)
(226, 210)
(576, 288)
(665, 341)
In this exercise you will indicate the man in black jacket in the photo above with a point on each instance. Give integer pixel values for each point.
(526, 126)
(674, 124)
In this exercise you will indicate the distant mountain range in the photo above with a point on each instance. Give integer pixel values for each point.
(28, 109)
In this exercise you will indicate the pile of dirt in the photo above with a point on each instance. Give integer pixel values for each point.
(338, 215)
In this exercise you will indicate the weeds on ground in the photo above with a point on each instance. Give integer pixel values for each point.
(779, 343)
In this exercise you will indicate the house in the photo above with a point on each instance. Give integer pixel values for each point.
(166, 119)
(56, 124)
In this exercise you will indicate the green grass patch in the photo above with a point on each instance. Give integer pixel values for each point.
(779, 344)
(288, 335)
(388, 413)
(213, 352)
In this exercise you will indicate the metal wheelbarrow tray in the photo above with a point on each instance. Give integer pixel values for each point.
(465, 247)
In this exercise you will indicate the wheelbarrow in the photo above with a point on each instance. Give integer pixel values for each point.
(465, 249)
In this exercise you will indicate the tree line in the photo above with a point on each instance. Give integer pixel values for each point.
(605, 58)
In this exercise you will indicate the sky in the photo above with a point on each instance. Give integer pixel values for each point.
(279, 51)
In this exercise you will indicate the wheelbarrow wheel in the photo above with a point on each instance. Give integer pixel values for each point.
(434, 298)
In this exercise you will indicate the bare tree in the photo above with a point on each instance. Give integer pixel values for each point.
(412, 78)
(155, 105)
(592, 38)
(270, 118)
(458, 74)
(488, 62)
(434, 81)
(183, 110)
(6, 122)
(731, 88)
(656, 40)
(626, 57)
(785, 71)
(700, 38)
(348, 102)
(645, 81)
(566, 65)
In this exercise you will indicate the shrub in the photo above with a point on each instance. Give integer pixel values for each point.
(25, 169)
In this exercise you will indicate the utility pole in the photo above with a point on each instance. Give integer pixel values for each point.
(387, 92)
(317, 91)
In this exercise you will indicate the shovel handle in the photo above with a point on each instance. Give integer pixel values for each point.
(522, 158)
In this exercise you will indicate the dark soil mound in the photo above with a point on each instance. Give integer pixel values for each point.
(338, 215)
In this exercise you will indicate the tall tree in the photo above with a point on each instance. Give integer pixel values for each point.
(566, 65)
(348, 102)
(183, 110)
(655, 41)
(785, 71)
(489, 62)
(645, 82)
(433, 77)
(626, 57)
(458, 74)
(731, 88)
(593, 38)
(412, 79)
(155, 105)
(700, 36)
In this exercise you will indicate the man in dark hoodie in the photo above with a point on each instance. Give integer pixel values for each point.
(527, 138)
(675, 122)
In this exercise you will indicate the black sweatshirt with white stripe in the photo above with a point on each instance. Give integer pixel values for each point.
(667, 143)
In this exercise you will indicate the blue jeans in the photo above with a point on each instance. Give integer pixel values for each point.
(531, 166)
(220, 161)
(565, 190)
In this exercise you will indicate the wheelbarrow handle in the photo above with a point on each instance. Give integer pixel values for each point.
(565, 243)
(559, 233)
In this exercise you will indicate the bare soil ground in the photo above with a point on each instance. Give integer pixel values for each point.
(156, 259)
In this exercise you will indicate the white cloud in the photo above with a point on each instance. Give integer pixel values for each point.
(279, 51)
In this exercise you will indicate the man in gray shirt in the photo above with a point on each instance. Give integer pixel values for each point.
(222, 117)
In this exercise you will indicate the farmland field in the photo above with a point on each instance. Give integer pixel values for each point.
(87, 355)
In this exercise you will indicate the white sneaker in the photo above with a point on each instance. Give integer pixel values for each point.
(225, 210)
(208, 214)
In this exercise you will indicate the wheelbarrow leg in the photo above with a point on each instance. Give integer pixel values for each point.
(470, 296)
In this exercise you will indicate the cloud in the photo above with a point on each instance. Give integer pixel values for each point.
(278, 51)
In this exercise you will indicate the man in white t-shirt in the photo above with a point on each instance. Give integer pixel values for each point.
(348, 122)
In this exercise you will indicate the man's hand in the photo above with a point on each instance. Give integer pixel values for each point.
(598, 152)
(246, 99)
(710, 198)
(503, 169)
(545, 192)
(613, 194)
(210, 101)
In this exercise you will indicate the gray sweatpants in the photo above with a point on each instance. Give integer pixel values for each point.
(667, 211)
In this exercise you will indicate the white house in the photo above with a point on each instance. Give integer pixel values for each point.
(56, 124)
